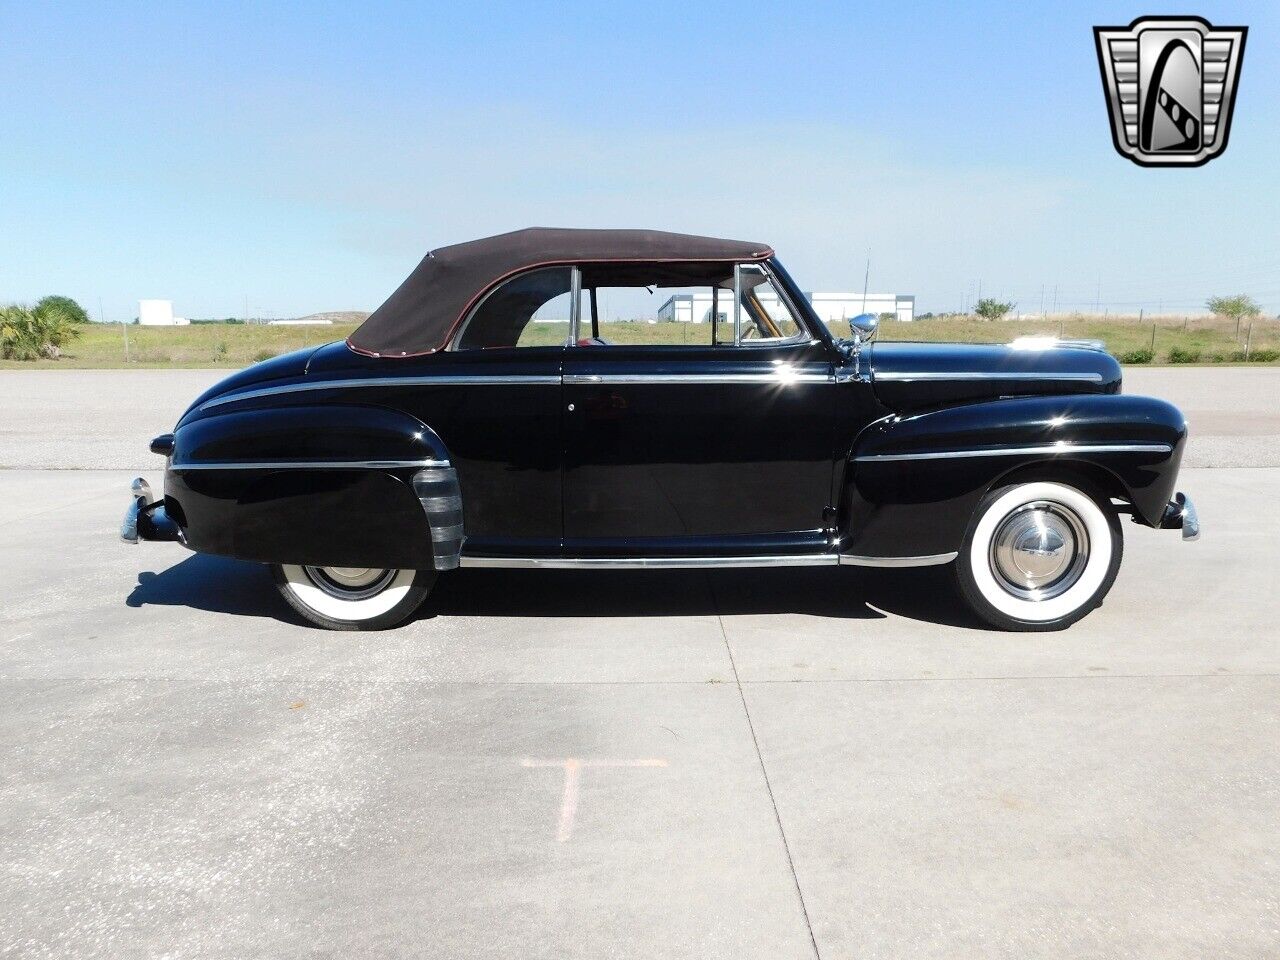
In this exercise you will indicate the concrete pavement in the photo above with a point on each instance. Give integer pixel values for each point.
(741, 764)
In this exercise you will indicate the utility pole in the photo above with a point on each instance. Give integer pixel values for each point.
(124, 330)
(866, 279)
(1055, 298)
(1043, 315)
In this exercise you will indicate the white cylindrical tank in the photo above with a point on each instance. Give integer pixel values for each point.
(155, 313)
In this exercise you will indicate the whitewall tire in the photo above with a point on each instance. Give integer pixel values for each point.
(1039, 555)
(352, 598)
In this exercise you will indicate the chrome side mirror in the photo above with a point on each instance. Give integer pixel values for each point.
(864, 327)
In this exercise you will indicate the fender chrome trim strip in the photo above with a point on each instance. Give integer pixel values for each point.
(435, 381)
(312, 465)
(983, 375)
(650, 563)
(932, 560)
(1052, 448)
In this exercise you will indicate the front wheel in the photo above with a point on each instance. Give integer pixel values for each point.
(1039, 556)
(352, 598)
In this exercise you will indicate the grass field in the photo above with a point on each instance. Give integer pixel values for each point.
(217, 345)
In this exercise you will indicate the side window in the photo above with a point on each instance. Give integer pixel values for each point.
(655, 315)
(680, 305)
(530, 310)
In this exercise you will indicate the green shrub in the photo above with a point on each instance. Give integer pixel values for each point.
(263, 355)
(1142, 355)
(75, 313)
(989, 309)
(1183, 355)
(1264, 356)
(30, 333)
(1218, 357)
(220, 351)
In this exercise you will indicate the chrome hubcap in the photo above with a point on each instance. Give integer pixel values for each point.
(350, 583)
(1039, 550)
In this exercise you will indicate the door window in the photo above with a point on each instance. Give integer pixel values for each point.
(695, 305)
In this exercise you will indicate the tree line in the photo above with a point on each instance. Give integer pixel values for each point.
(1238, 308)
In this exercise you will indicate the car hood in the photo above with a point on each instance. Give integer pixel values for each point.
(913, 376)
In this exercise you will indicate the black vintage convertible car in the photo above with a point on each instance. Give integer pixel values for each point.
(520, 401)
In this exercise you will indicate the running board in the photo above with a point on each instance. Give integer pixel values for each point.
(676, 563)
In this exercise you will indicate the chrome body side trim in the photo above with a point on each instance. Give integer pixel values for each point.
(932, 560)
(781, 376)
(351, 384)
(1052, 448)
(906, 375)
(675, 563)
(649, 563)
(311, 465)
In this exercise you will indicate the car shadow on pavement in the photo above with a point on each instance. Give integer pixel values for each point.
(838, 592)
(241, 588)
(215, 584)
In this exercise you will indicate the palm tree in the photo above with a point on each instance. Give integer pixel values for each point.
(29, 333)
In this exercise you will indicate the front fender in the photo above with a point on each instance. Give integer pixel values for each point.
(322, 485)
(914, 481)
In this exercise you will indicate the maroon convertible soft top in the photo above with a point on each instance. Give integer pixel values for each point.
(424, 312)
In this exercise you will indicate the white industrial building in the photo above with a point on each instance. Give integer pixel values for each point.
(833, 307)
(830, 307)
(159, 313)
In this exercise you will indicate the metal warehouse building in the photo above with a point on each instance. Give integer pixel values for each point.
(831, 307)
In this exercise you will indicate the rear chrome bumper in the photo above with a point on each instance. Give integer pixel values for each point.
(145, 517)
(1181, 514)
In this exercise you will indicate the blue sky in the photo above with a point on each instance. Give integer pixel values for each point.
(303, 157)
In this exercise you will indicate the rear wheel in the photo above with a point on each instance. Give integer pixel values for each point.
(1039, 556)
(352, 598)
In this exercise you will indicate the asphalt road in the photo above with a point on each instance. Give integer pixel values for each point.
(741, 764)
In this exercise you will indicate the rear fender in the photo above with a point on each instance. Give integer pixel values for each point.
(913, 482)
(340, 485)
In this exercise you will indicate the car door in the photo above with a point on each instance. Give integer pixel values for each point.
(494, 399)
(717, 445)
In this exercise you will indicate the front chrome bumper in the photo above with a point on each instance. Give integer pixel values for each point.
(145, 518)
(1181, 514)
